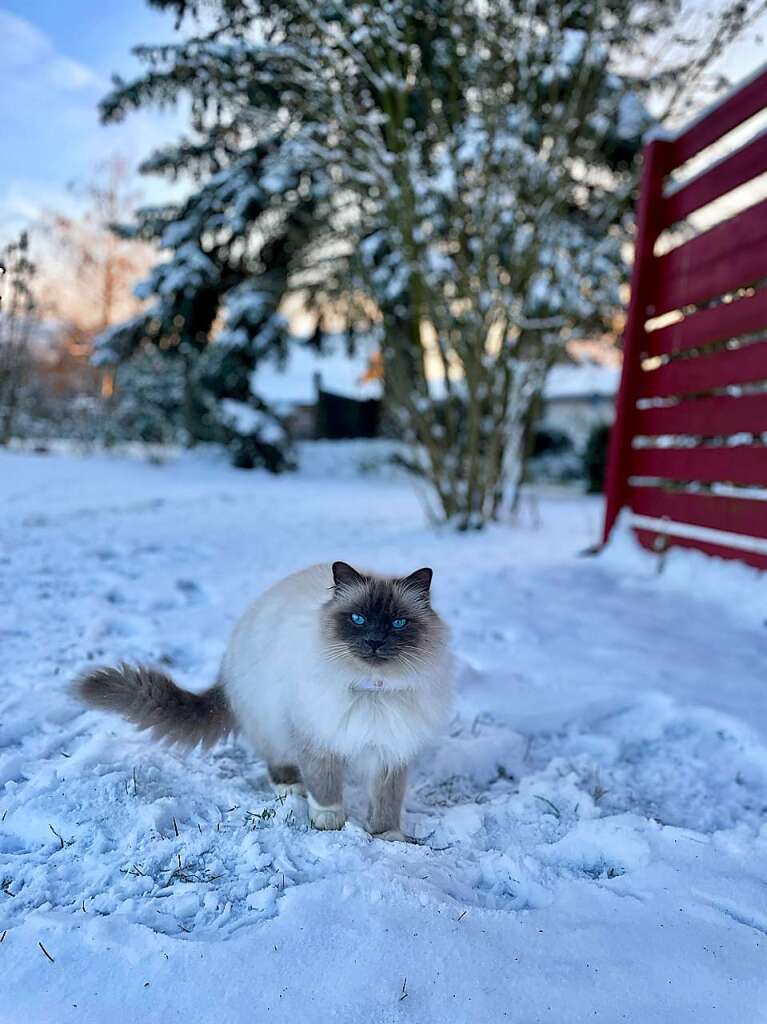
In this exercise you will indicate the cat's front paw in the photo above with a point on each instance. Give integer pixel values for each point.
(326, 818)
(394, 835)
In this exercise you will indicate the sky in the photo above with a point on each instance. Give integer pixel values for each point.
(56, 59)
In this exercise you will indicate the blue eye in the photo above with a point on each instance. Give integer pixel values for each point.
(399, 623)
(357, 619)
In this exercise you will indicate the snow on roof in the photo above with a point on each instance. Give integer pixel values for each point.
(339, 373)
(586, 380)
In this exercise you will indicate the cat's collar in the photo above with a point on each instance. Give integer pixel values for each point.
(373, 683)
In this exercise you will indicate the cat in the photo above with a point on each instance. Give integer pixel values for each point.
(329, 667)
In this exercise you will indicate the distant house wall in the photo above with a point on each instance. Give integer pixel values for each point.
(339, 417)
(333, 417)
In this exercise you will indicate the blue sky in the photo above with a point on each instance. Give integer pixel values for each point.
(56, 58)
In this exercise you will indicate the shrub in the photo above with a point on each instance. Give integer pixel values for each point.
(595, 458)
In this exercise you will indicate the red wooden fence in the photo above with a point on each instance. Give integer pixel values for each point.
(691, 415)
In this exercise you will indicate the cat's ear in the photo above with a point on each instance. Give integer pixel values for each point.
(345, 576)
(419, 581)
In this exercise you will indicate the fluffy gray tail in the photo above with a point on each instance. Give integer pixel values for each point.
(151, 700)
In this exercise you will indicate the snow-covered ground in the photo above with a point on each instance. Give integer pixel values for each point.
(594, 839)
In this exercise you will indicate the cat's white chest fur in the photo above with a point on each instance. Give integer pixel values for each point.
(387, 724)
(289, 689)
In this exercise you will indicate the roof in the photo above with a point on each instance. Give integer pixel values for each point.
(295, 383)
(587, 380)
(343, 375)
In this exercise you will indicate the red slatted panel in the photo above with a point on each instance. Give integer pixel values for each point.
(706, 417)
(738, 107)
(740, 464)
(727, 320)
(729, 256)
(648, 539)
(706, 373)
(736, 169)
(715, 512)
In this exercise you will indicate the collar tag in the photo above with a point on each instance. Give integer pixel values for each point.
(370, 684)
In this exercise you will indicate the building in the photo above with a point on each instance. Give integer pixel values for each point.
(329, 395)
(577, 397)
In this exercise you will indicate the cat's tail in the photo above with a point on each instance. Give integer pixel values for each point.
(151, 700)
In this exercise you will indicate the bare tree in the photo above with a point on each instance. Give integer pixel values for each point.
(18, 316)
(89, 285)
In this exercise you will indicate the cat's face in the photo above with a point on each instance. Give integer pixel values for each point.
(381, 622)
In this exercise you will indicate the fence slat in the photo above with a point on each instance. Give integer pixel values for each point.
(740, 464)
(727, 320)
(654, 169)
(706, 417)
(727, 114)
(716, 512)
(726, 257)
(705, 373)
(735, 169)
(649, 539)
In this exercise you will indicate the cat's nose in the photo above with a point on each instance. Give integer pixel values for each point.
(374, 643)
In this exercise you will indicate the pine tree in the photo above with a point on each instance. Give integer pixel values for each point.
(456, 176)
(232, 247)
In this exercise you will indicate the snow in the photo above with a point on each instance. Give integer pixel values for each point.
(632, 116)
(733, 584)
(581, 381)
(246, 419)
(593, 824)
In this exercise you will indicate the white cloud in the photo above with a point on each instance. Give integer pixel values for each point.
(71, 74)
(20, 41)
(25, 50)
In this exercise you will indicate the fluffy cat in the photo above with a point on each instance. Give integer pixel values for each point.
(329, 667)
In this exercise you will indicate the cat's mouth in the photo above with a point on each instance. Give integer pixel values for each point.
(374, 658)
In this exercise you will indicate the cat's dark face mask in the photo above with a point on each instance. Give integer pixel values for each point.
(380, 621)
